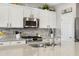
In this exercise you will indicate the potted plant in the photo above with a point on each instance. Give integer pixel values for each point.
(46, 7)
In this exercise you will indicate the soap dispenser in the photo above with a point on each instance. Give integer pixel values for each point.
(17, 35)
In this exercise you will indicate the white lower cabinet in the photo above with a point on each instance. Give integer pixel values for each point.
(14, 51)
(10, 48)
(11, 51)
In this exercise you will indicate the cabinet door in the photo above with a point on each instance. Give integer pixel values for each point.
(47, 19)
(3, 15)
(43, 19)
(16, 51)
(11, 51)
(27, 11)
(52, 19)
(35, 12)
(16, 16)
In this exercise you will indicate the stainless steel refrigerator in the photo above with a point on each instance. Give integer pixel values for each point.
(77, 29)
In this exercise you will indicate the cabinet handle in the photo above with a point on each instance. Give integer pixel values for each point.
(7, 24)
(10, 25)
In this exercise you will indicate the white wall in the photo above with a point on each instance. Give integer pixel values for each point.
(65, 22)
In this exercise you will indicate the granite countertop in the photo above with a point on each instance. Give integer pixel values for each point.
(11, 39)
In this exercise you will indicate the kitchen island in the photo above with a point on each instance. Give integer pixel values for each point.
(13, 47)
(12, 50)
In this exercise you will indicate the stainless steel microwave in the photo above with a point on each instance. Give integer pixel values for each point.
(30, 22)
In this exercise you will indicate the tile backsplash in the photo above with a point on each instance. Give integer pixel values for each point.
(43, 32)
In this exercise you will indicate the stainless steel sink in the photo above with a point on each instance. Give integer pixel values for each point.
(40, 45)
(36, 45)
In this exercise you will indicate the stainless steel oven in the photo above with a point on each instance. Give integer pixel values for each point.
(31, 22)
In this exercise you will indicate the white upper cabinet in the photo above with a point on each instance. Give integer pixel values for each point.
(11, 16)
(47, 19)
(43, 19)
(27, 11)
(52, 19)
(16, 16)
(36, 12)
(4, 15)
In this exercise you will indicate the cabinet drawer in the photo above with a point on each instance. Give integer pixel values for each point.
(4, 43)
(17, 42)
